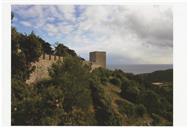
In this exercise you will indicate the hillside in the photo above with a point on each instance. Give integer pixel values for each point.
(136, 101)
(162, 76)
(76, 95)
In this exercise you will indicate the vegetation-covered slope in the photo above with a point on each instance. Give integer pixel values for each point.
(76, 96)
(162, 76)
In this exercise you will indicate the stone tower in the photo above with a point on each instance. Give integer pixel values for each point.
(98, 58)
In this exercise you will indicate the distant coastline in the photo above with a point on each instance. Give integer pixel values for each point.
(140, 68)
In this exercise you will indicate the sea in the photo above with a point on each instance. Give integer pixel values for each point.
(140, 68)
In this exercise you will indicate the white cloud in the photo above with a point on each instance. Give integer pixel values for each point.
(26, 23)
(143, 33)
(140, 34)
(68, 12)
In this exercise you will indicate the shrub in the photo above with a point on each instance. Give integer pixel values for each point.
(126, 108)
(152, 101)
(116, 81)
(78, 117)
(168, 116)
(156, 119)
(140, 110)
(102, 75)
(130, 91)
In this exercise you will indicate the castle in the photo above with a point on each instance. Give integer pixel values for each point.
(97, 59)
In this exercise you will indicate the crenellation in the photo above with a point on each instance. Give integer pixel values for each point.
(50, 57)
(42, 65)
(97, 59)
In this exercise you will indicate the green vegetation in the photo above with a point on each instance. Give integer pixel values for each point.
(75, 95)
(140, 110)
(130, 91)
(62, 50)
(162, 76)
(116, 81)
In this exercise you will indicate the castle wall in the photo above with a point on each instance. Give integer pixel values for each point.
(97, 59)
(93, 65)
(41, 70)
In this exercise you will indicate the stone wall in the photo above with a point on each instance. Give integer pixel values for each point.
(93, 65)
(41, 70)
(97, 59)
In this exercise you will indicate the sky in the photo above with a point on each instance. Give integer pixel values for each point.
(130, 34)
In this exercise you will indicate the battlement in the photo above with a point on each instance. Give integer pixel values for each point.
(97, 59)
(41, 67)
(50, 57)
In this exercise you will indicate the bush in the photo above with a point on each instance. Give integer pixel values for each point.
(104, 80)
(168, 116)
(140, 110)
(118, 74)
(78, 117)
(130, 91)
(116, 81)
(102, 75)
(156, 119)
(126, 108)
(152, 101)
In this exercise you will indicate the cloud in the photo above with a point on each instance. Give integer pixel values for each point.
(154, 25)
(68, 12)
(26, 23)
(129, 34)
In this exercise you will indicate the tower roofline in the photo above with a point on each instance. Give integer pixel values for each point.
(98, 52)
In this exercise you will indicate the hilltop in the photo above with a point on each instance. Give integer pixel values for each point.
(75, 95)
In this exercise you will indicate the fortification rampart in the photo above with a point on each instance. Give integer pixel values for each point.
(41, 67)
(50, 57)
(92, 64)
(97, 59)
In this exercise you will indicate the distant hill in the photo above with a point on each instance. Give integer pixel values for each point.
(162, 75)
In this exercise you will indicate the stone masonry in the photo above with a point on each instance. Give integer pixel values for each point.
(97, 59)
(41, 70)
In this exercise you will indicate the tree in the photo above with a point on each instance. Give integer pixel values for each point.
(73, 77)
(130, 91)
(151, 100)
(31, 47)
(46, 47)
(102, 74)
(18, 65)
(12, 15)
(62, 50)
(25, 50)
(23, 104)
(51, 103)
(156, 119)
